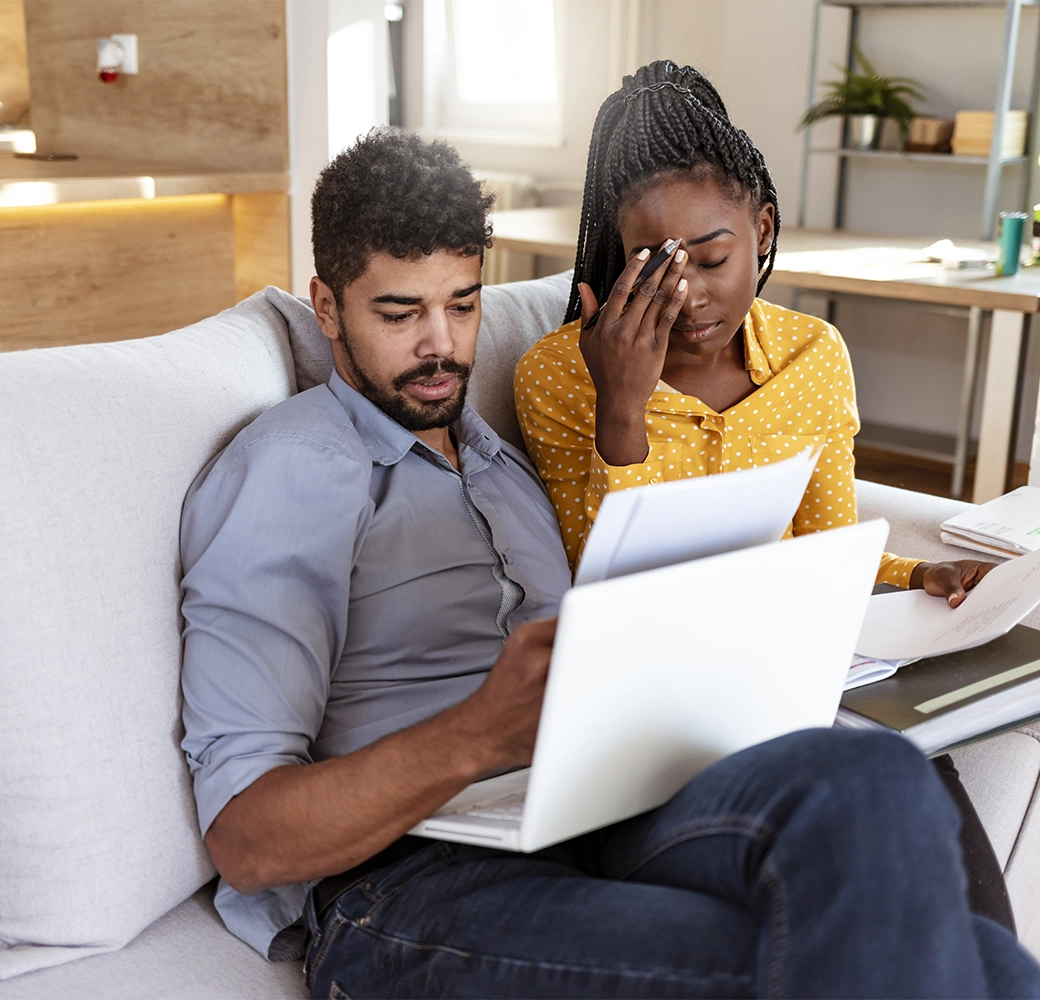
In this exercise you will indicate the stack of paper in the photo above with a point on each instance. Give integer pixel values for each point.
(973, 134)
(1004, 527)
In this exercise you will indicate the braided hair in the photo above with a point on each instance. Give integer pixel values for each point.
(663, 120)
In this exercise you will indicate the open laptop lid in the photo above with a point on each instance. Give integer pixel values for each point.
(640, 529)
(655, 675)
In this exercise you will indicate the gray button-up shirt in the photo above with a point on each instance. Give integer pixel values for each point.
(342, 581)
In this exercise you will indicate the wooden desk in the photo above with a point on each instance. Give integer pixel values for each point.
(879, 267)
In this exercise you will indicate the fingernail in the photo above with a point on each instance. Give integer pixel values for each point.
(682, 285)
(680, 256)
(643, 254)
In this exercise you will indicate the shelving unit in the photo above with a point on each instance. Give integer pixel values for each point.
(994, 163)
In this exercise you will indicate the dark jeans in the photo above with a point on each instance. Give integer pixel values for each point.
(821, 864)
(987, 893)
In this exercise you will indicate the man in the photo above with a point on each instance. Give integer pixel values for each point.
(368, 575)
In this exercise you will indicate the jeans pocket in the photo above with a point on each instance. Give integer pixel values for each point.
(357, 906)
(336, 992)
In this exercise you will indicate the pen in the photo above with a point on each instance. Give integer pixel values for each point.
(648, 268)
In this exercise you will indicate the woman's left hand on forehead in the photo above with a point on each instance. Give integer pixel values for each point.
(625, 352)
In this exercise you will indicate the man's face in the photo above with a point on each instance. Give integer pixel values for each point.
(406, 334)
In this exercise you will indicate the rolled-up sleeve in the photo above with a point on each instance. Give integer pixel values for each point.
(269, 535)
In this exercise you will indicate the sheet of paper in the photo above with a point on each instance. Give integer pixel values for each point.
(865, 670)
(665, 523)
(911, 623)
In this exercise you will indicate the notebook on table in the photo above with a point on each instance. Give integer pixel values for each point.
(655, 675)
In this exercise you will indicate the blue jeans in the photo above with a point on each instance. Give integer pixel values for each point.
(820, 864)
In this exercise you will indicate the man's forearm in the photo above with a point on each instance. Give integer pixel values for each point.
(297, 823)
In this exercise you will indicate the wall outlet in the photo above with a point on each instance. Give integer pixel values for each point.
(129, 42)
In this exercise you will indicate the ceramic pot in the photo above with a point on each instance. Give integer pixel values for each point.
(864, 131)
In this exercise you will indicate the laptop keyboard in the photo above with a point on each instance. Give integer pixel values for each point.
(508, 807)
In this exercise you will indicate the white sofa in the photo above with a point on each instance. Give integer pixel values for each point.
(106, 888)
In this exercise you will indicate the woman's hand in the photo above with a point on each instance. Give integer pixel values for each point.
(625, 352)
(951, 580)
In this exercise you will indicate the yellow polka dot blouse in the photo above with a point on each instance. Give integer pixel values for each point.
(805, 396)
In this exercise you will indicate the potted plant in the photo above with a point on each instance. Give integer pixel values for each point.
(865, 98)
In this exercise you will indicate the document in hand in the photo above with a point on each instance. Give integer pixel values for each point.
(911, 624)
(1003, 527)
(658, 525)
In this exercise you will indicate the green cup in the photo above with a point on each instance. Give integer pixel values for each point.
(1009, 239)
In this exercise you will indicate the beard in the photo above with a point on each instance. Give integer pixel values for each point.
(412, 414)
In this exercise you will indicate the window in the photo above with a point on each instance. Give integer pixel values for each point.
(492, 69)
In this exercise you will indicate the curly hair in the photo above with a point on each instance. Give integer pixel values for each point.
(663, 120)
(394, 192)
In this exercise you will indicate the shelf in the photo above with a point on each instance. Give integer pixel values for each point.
(895, 154)
(924, 3)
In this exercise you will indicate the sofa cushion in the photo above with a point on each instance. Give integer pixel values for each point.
(98, 445)
(514, 317)
(184, 955)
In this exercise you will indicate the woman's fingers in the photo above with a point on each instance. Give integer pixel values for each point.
(654, 294)
(670, 313)
(589, 305)
(618, 298)
(950, 580)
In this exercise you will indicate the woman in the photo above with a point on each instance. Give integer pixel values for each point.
(696, 374)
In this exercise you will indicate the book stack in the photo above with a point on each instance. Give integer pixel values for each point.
(946, 701)
(973, 134)
(1004, 527)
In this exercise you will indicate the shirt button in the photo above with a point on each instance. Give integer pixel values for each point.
(654, 480)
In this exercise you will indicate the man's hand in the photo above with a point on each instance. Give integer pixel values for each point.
(951, 580)
(625, 352)
(503, 713)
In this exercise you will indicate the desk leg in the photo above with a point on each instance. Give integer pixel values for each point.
(971, 362)
(1034, 452)
(998, 405)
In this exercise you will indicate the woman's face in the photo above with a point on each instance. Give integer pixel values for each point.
(723, 238)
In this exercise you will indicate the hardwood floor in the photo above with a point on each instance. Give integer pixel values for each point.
(919, 474)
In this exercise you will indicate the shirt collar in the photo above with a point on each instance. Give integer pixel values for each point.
(388, 442)
(756, 360)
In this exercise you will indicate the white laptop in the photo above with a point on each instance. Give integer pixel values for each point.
(655, 675)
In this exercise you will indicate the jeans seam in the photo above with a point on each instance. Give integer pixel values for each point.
(781, 928)
(703, 828)
(534, 963)
(326, 934)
